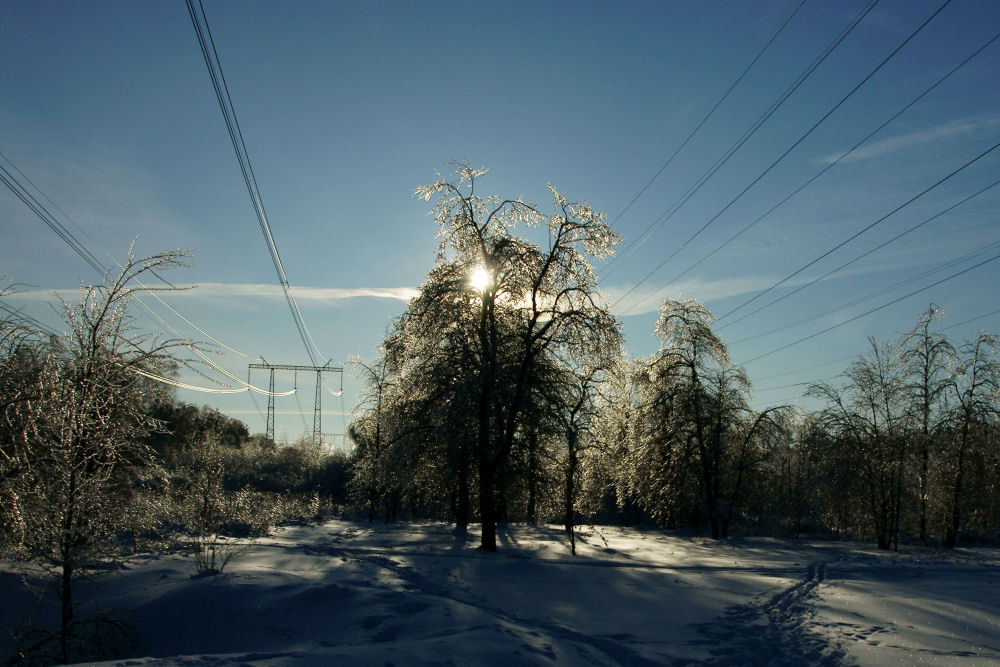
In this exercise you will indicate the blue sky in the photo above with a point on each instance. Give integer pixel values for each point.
(346, 107)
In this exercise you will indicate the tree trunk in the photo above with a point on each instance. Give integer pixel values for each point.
(487, 505)
(951, 536)
(570, 491)
(463, 506)
(532, 475)
(68, 555)
(924, 465)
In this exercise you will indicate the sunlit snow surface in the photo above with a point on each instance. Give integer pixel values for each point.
(417, 594)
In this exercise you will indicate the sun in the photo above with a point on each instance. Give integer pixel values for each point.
(480, 279)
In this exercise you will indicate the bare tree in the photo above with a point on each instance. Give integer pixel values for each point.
(82, 447)
(975, 386)
(929, 357)
(870, 416)
(370, 433)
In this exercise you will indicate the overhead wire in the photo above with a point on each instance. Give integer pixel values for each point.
(788, 150)
(42, 212)
(848, 263)
(101, 268)
(970, 320)
(873, 310)
(860, 232)
(943, 266)
(850, 358)
(184, 385)
(632, 247)
(45, 216)
(807, 368)
(28, 320)
(679, 203)
(829, 166)
(795, 384)
(214, 66)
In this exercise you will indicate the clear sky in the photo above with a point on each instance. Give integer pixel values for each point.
(346, 107)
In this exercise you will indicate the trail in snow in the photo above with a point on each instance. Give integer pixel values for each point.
(776, 631)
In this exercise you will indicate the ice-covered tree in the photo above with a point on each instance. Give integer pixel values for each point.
(80, 451)
(524, 299)
(869, 414)
(975, 387)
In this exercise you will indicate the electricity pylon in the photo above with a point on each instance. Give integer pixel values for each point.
(317, 410)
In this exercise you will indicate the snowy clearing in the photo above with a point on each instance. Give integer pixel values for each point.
(418, 594)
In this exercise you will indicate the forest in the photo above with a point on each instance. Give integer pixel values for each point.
(501, 395)
(504, 387)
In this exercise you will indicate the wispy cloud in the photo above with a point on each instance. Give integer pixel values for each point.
(316, 294)
(934, 134)
(265, 290)
(211, 290)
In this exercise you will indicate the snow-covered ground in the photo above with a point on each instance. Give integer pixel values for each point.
(417, 594)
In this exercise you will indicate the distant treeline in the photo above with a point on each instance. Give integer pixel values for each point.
(906, 447)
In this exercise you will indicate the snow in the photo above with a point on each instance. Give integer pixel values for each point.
(420, 594)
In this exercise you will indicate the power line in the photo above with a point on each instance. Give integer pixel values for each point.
(45, 216)
(793, 146)
(807, 368)
(669, 213)
(613, 266)
(972, 319)
(924, 274)
(873, 310)
(848, 263)
(885, 290)
(845, 359)
(822, 171)
(26, 319)
(100, 268)
(214, 65)
(860, 232)
(795, 384)
(184, 385)
(42, 212)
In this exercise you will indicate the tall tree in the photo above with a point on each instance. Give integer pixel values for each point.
(870, 416)
(527, 298)
(696, 444)
(975, 387)
(928, 357)
(573, 398)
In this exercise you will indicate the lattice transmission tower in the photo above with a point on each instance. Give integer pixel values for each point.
(317, 435)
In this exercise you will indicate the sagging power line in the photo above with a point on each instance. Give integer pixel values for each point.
(212, 61)
(36, 206)
(820, 173)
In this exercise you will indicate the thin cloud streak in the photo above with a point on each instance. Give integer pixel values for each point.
(938, 133)
(265, 290)
(253, 291)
